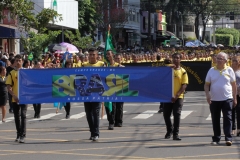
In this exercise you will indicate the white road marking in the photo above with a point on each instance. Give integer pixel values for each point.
(184, 114)
(209, 118)
(48, 116)
(9, 119)
(146, 114)
(105, 116)
(76, 116)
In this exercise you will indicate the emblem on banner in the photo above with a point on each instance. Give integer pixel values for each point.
(68, 85)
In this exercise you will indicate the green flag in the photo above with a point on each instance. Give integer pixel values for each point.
(30, 56)
(108, 106)
(108, 45)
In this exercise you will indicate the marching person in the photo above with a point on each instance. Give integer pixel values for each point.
(180, 84)
(9, 69)
(37, 107)
(19, 110)
(67, 105)
(92, 109)
(3, 92)
(115, 117)
(221, 97)
(236, 68)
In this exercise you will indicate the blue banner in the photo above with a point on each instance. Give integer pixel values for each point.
(95, 84)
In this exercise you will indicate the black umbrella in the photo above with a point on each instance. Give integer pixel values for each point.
(57, 47)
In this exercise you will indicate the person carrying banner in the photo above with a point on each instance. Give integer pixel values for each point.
(180, 84)
(67, 105)
(19, 110)
(236, 68)
(37, 107)
(9, 69)
(115, 117)
(222, 96)
(3, 92)
(92, 109)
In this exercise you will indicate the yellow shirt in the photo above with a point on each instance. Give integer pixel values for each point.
(12, 80)
(75, 65)
(97, 64)
(115, 65)
(180, 78)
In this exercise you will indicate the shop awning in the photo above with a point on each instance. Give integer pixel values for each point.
(10, 32)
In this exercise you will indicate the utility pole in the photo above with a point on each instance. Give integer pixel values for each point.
(182, 29)
(149, 21)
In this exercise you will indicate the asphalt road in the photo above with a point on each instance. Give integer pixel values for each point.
(141, 137)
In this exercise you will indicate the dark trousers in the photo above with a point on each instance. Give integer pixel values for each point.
(20, 110)
(226, 107)
(92, 110)
(116, 116)
(37, 109)
(161, 105)
(176, 109)
(10, 102)
(67, 108)
(237, 108)
(233, 118)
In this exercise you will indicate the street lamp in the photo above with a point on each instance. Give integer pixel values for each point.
(181, 27)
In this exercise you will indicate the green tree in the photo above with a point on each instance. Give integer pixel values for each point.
(87, 17)
(77, 40)
(21, 10)
(205, 10)
(36, 42)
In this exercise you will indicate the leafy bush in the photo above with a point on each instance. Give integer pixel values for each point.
(225, 39)
(234, 32)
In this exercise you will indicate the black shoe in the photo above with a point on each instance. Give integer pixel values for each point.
(176, 137)
(110, 127)
(91, 138)
(10, 111)
(67, 116)
(118, 125)
(238, 134)
(160, 110)
(38, 116)
(168, 135)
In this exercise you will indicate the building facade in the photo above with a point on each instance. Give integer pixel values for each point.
(11, 31)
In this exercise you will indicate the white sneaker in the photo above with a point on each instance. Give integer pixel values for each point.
(21, 140)
(214, 143)
(95, 138)
(228, 143)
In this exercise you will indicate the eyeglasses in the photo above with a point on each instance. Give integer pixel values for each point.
(220, 59)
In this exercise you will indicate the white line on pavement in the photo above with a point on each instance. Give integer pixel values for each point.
(184, 114)
(10, 119)
(105, 116)
(45, 117)
(209, 118)
(146, 114)
(76, 116)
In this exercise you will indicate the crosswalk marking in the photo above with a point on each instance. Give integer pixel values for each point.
(184, 114)
(209, 118)
(76, 116)
(45, 117)
(105, 116)
(10, 119)
(146, 114)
